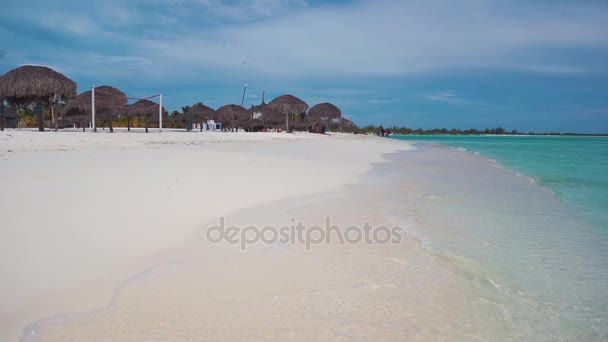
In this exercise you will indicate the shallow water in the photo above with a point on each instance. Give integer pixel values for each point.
(549, 267)
(487, 255)
(573, 167)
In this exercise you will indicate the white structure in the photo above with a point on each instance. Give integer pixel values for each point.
(211, 125)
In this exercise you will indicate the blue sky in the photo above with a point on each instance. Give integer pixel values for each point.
(530, 65)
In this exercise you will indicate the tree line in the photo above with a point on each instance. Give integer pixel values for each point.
(455, 131)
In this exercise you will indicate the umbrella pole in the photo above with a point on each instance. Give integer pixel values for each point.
(40, 116)
(56, 119)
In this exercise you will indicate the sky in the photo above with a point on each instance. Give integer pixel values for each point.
(527, 65)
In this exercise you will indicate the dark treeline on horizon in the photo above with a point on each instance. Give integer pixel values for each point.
(456, 131)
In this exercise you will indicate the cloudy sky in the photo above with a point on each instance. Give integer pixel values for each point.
(531, 65)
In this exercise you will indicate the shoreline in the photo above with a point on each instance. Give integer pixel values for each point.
(569, 167)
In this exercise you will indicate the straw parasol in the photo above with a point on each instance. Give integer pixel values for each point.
(233, 116)
(347, 125)
(286, 105)
(146, 109)
(35, 84)
(266, 116)
(198, 113)
(261, 115)
(109, 102)
(325, 112)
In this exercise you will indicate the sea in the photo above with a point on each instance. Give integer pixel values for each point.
(525, 217)
(574, 168)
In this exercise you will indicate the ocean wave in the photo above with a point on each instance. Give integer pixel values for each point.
(458, 149)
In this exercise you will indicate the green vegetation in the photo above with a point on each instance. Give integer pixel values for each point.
(455, 131)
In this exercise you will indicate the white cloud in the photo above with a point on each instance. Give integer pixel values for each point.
(97, 58)
(444, 97)
(295, 39)
(386, 38)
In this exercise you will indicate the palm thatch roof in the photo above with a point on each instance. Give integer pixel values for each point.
(260, 111)
(233, 116)
(288, 104)
(325, 112)
(29, 83)
(267, 116)
(199, 112)
(145, 109)
(108, 100)
(347, 124)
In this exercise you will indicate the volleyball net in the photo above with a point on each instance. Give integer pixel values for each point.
(159, 104)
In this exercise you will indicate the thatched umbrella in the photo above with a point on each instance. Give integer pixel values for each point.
(146, 109)
(322, 115)
(271, 117)
(109, 102)
(288, 105)
(347, 125)
(324, 112)
(198, 113)
(30, 84)
(233, 116)
(302, 124)
(260, 115)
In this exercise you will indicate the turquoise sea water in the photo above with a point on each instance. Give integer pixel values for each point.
(575, 168)
(521, 219)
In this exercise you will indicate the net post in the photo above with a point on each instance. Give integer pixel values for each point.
(160, 114)
(93, 108)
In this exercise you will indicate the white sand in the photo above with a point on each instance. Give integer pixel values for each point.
(82, 212)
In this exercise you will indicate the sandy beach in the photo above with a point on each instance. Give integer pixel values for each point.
(272, 236)
(84, 212)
